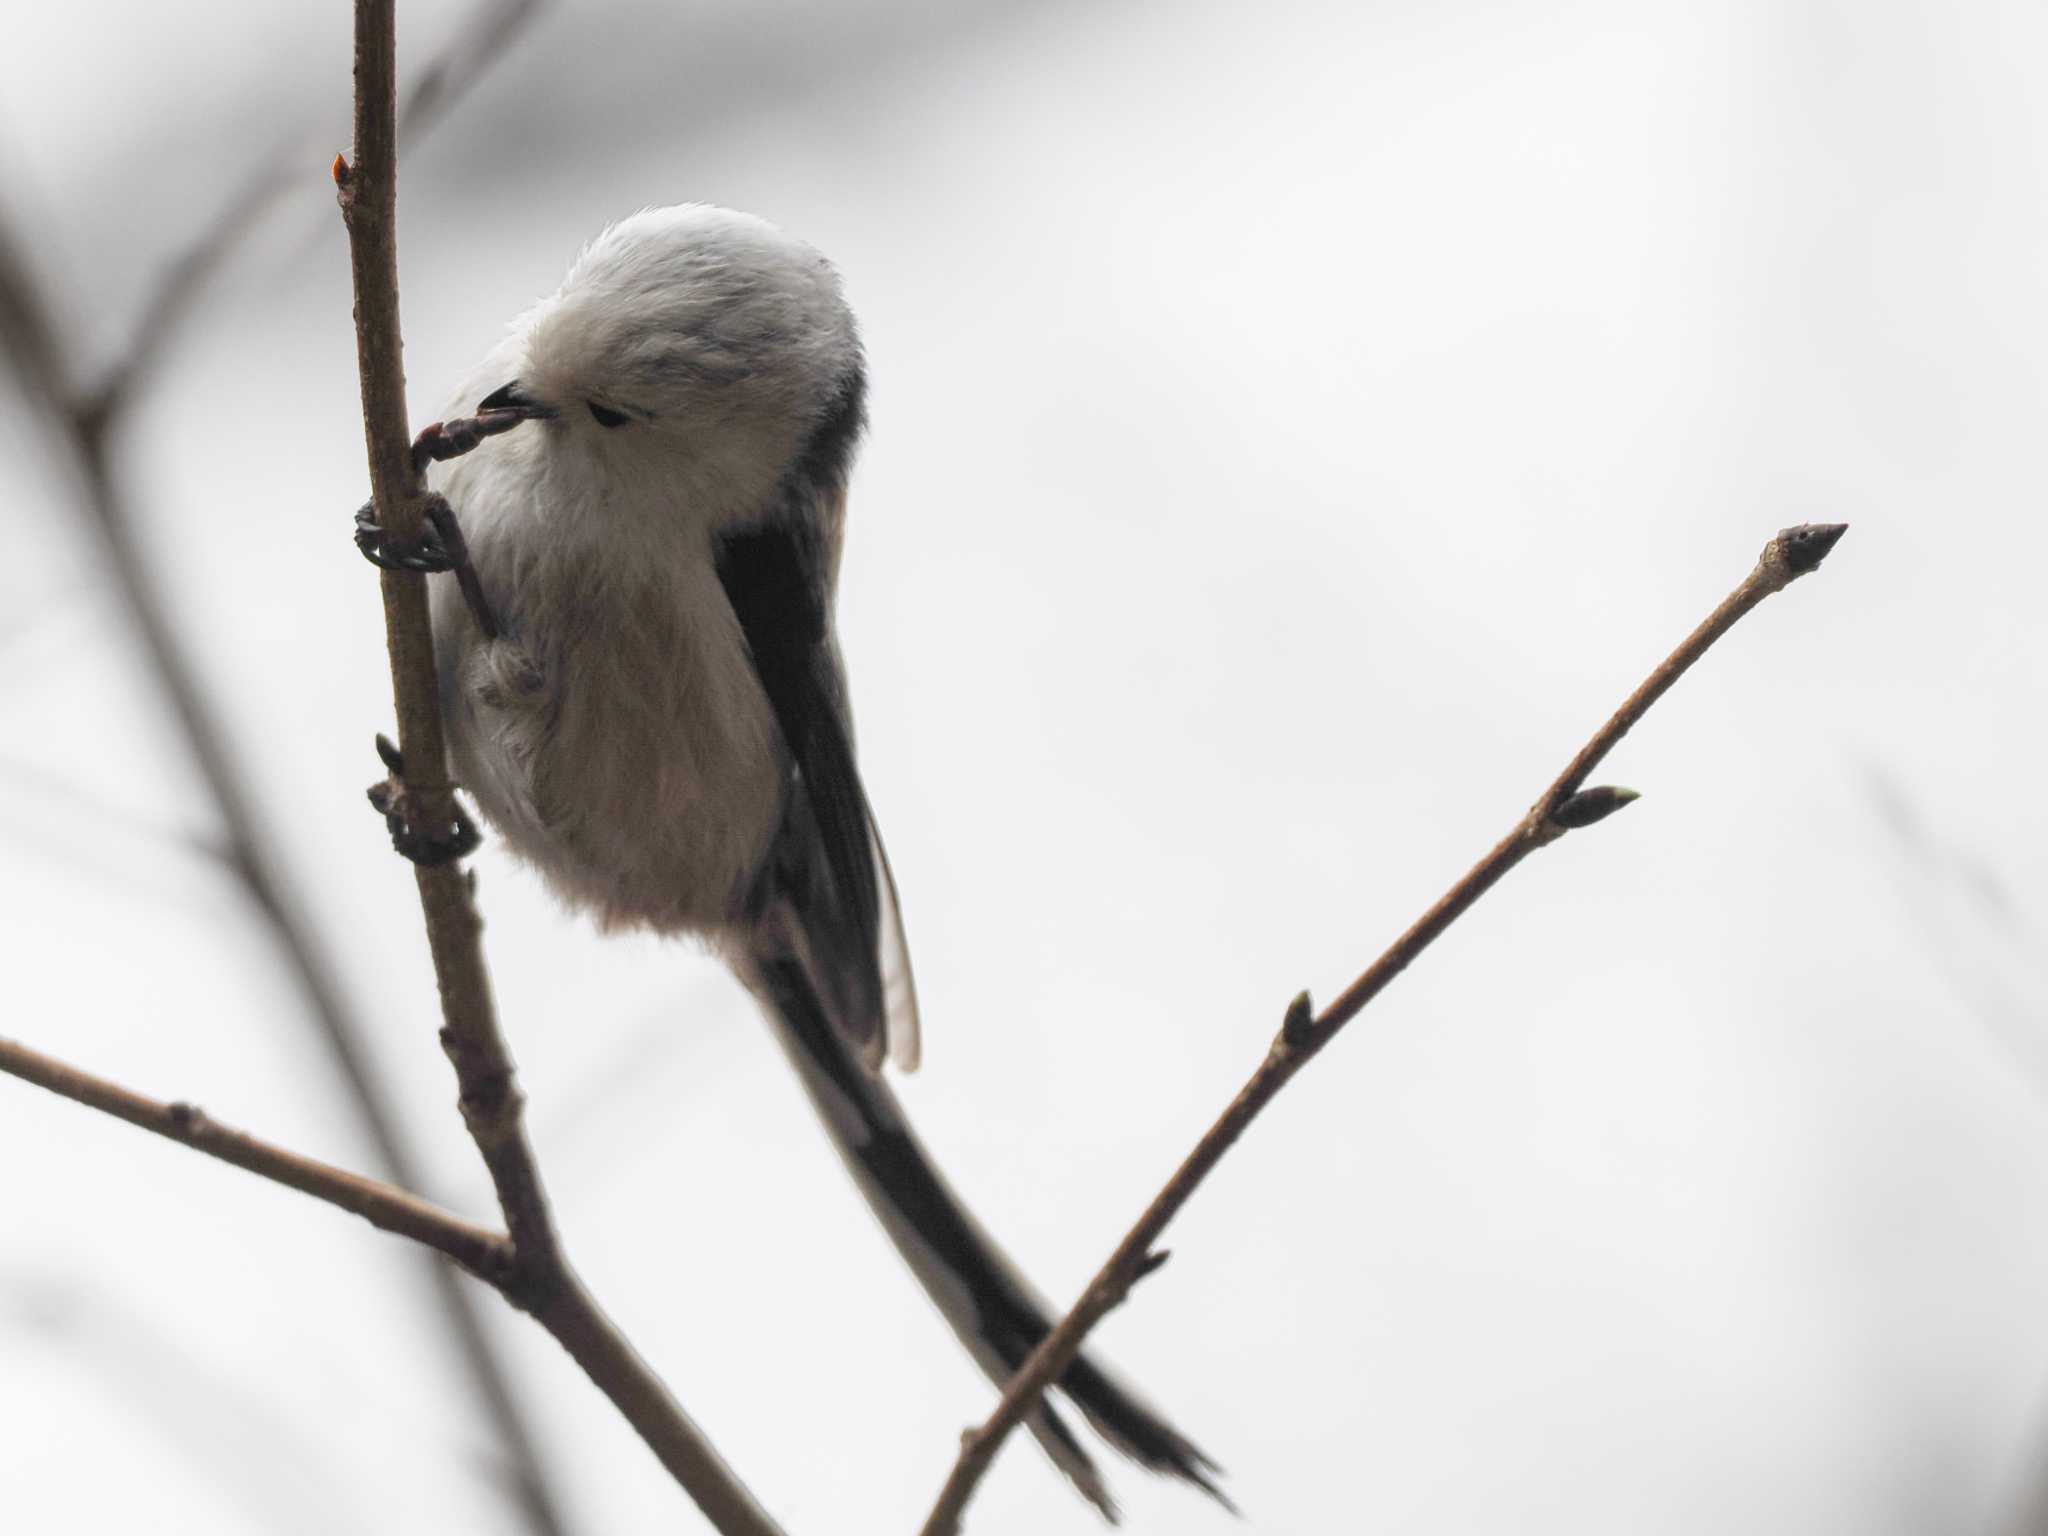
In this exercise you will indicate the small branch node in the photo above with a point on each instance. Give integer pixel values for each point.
(1589, 806)
(1792, 553)
(1299, 1025)
(491, 1106)
(529, 1286)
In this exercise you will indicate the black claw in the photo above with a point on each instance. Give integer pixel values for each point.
(448, 536)
(422, 843)
(429, 554)
(439, 548)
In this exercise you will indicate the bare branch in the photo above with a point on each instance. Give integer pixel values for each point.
(491, 1102)
(88, 422)
(26, 338)
(475, 46)
(478, 41)
(483, 1253)
(1792, 554)
(178, 288)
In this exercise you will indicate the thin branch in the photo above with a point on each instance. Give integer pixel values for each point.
(179, 286)
(477, 42)
(492, 1105)
(88, 422)
(483, 1253)
(1560, 808)
(474, 47)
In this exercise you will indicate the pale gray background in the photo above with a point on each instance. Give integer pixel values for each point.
(1295, 426)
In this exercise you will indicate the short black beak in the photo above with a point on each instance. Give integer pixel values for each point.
(512, 397)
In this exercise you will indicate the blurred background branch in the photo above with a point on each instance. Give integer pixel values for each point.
(483, 1253)
(85, 424)
(1450, 294)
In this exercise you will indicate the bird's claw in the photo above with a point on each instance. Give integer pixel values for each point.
(428, 554)
(432, 842)
(438, 548)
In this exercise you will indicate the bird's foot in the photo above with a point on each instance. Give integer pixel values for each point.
(439, 840)
(428, 554)
(439, 547)
(451, 439)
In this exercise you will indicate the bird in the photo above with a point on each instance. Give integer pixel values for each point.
(644, 694)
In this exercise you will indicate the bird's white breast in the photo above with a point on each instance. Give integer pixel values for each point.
(617, 736)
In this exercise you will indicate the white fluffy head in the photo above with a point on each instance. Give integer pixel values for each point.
(690, 329)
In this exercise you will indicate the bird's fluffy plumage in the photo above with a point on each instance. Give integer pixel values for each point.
(662, 728)
(615, 737)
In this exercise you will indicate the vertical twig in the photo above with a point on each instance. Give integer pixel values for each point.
(542, 1282)
(86, 425)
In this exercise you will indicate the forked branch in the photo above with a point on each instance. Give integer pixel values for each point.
(86, 423)
(484, 1253)
(541, 1280)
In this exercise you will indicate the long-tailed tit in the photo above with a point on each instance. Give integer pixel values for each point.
(659, 723)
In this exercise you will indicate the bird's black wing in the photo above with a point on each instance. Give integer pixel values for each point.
(824, 865)
(826, 991)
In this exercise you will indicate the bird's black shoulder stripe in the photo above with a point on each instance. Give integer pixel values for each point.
(827, 454)
(772, 580)
(773, 575)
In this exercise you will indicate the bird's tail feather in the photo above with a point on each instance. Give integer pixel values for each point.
(980, 1293)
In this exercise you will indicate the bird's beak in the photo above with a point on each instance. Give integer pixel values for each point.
(513, 397)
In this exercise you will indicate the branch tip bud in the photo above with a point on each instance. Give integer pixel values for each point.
(1805, 546)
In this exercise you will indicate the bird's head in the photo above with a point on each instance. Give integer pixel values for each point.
(689, 333)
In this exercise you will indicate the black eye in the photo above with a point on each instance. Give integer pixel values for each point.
(606, 418)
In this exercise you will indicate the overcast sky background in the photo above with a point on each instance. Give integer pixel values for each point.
(1295, 426)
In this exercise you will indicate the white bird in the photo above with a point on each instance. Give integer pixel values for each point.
(661, 727)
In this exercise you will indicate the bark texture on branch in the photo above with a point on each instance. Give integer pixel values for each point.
(484, 1253)
(540, 1280)
(1565, 804)
(86, 422)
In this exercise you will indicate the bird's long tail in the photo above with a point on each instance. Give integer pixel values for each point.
(981, 1294)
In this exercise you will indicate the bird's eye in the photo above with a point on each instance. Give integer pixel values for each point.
(606, 418)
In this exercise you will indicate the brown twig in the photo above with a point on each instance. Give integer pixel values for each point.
(534, 1277)
(479, 38)
(87, 422)
(1303, 1033)
(483, 1253)
(541, 1280)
